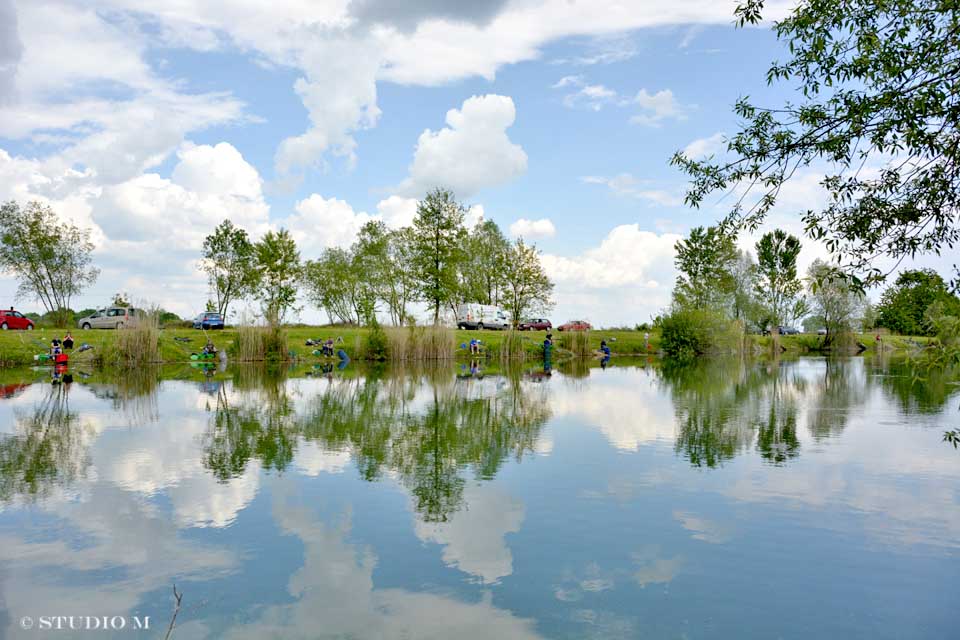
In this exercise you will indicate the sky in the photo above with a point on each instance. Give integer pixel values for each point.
(149, 123)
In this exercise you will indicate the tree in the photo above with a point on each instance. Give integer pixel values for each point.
(526, 285)
(903, 306)
(487, 252)
(371, 269)
(746, 307)
(121, 300)
(228, 260)
(50, 258)
(879, 109)
(438, 240)
(705, 261)
(400, 288)
(330, 285)
(777, 283)
(277, 263)
(835, 301)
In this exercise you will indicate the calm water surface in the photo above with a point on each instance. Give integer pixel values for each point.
(808, 499)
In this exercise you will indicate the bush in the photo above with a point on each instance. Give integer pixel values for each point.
(690, 332)
(377, 345)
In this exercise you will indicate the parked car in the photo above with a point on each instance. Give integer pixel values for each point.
(822, 331)
(10, 319)
(208, 320)
(110, 318)
(535, 324)
(782, 330)
(575, 325)
(482, 316)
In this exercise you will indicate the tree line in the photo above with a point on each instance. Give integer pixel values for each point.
(437, 261)
(718, 283)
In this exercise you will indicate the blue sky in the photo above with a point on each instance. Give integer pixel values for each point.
(555, 118)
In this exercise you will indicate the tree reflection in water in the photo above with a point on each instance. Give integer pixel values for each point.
(725, 406)
(46, 449)
(428, 427)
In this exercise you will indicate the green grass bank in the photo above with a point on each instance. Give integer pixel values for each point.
(17, 348)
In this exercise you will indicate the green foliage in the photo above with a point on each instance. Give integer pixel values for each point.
(526, 287)
(705, 261)
(903, 306)
(277, 263)
(438, 248)
(777, 284)
(686, 332)
(50, 258)
(878, 82)
(229, 262)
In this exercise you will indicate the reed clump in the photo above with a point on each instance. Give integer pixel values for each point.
(260, 343)
(514, 345)
(430, 342)
(576, 342)
(136, 345)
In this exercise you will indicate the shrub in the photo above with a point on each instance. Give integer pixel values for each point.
(377, 345)
(688, 332)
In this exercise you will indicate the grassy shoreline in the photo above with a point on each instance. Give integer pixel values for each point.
(17, 348)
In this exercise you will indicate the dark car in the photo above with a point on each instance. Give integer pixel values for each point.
(10, 319)
(535, 324)
(784, 331)
(208, 320)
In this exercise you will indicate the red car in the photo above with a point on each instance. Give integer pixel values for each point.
(575, 325)
(535, 324)
(10, 319)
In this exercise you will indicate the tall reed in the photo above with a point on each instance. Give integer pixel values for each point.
(576, 342)
(257, 343)
(136, 345)
(421, 343)
(514, 345)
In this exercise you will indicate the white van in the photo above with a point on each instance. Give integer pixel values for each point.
(482, 316)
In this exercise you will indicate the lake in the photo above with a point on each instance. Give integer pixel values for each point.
(805, 499)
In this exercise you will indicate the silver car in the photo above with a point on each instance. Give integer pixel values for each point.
(109, 318)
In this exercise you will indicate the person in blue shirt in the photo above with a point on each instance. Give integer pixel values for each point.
(604, 348)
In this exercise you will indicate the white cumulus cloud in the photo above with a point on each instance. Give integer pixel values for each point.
(657, 107)
(704, 147)
(542, 228)
(472, 152)
(624, 280)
